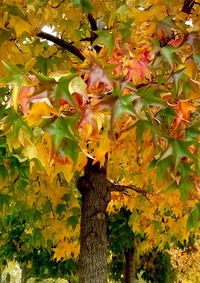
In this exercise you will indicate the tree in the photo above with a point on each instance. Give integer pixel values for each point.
(122, 249)
(113, 104)
(16, 245)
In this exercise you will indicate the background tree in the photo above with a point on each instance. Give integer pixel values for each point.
(16, 244)
(113, 104)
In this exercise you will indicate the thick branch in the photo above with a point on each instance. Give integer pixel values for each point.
(187, 6)
(92, 21)
(62, 43)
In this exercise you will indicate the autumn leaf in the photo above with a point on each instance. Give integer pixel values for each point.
(78, 86)
(96, 75)
(62, 128)
(102, 150)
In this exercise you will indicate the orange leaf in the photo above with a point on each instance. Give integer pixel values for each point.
(184, 108)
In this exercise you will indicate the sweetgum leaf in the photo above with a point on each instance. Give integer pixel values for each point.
(105, 37)
(194, 217)
(73, 221)
(62, 89)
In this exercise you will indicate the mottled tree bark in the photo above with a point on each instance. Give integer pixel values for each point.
(93, 238)
(130, 272)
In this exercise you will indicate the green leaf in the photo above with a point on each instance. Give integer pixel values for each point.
(180, 150)
(125, 30)
(152, 164)
(196, 58)
(37, 238)
(162, 166)
(194, 217)
(73, 221)
(16, 78)
(43, 78)
(86, 5)
(62, 89)
(18, 124)
(3, 172)
(70, 148)
(141, 127)
(172, 188)
(4, 202)
(123, 105)
(60, 209)
(15, 11)
(151, 96)
(13, 71)
(169, 53)
(185, 187)
(105, 37)
(63, 128)
(47, 206)
(34, 215)
(66, 198)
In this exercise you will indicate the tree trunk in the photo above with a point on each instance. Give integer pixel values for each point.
(8, 278)
(23, 274)
(93, 238)
(130, 272)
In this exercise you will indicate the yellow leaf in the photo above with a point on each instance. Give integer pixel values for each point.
(38, 112)
(20, 26)
(66, 249)
(32, 153)
(102, 150)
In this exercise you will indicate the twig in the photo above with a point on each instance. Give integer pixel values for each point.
(145, 9)
(62, 43)
(58, 5)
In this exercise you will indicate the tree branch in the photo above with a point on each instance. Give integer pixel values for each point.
(62, 43)
(92, 22)
(121, 188)
(93, 26)
(187, 6)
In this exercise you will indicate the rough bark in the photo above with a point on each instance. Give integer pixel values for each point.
(130, 272)
(93, 238)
